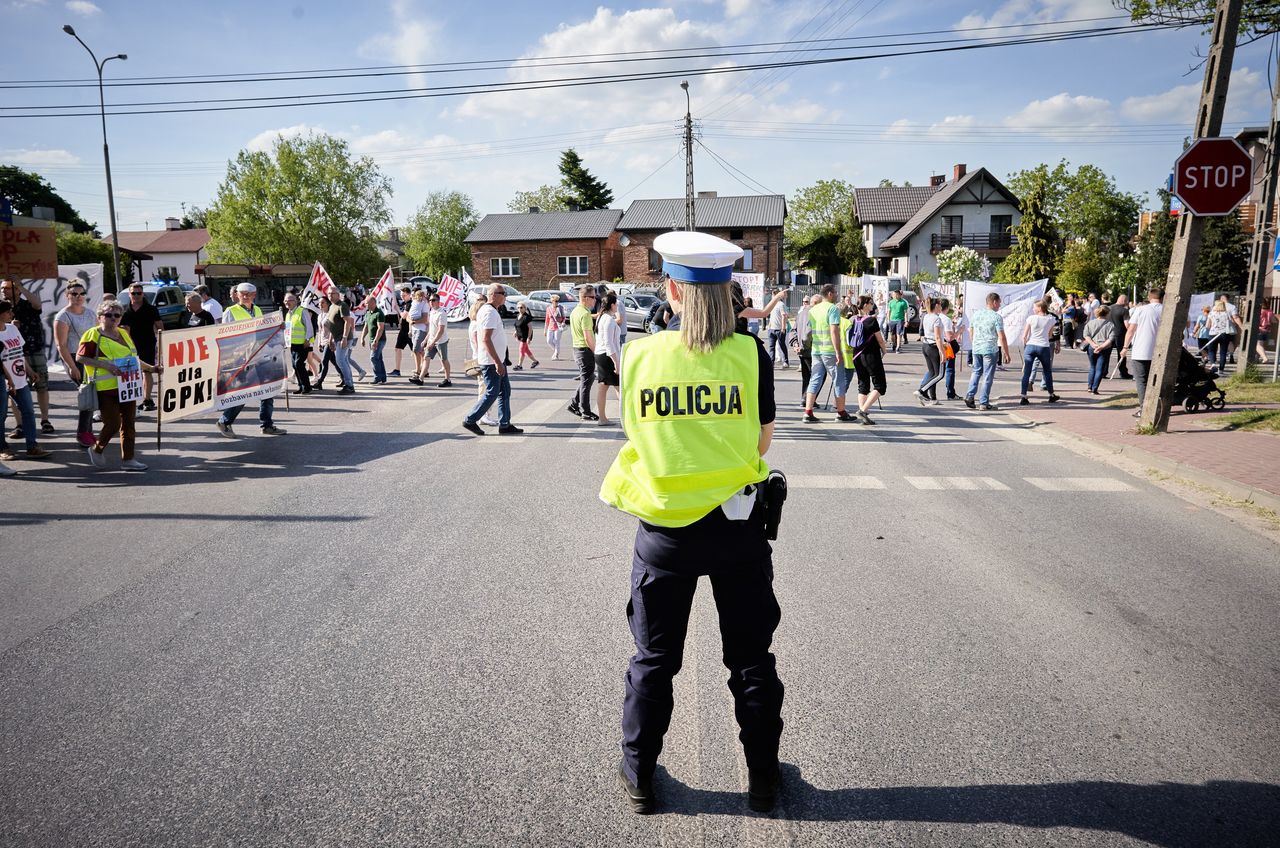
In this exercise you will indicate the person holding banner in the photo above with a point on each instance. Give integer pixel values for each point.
(245, 310)
(106, 353)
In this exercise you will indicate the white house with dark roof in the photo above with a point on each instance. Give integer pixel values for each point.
(905, 228)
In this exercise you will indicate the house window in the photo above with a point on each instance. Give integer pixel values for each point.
(1000, 224)
(655, 260)
(507, 266)
(572, 266)
(735, 235)
(952, 225)
(743, 264)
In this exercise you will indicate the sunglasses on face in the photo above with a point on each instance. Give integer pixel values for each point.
(76, 292)
(112, 314)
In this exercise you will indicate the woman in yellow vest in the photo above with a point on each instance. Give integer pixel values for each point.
(99, 350)
(698, 411)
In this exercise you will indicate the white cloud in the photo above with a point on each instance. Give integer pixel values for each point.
(900, 128)
(35, 158)
(1178, 104)
(738, 8)
(885, 73)
(83, 7)
(1061, 110)
(410, 41)
(1039, 12)
(952, 126)
(264, 140)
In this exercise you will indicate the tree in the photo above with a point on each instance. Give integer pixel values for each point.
(958, 264)
(579, 186)
(811, 230)
(547, 198)
(850, 246)
(434, 237)
(1035, 256)
(921, 277)
(1155, 245)
(1123, 276)
(304, 201)
(26, 190)
(1223, 264)
(197, 217)
(83, 249)
(891, 184)
(1258, 18)
(1084, 269)
(1083, 205)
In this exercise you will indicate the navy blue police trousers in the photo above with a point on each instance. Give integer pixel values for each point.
(664, 575)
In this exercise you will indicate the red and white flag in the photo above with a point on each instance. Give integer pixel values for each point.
(384, 294)
(451, 292)
(320, 284)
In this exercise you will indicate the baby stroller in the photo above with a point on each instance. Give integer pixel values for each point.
(1195, 385)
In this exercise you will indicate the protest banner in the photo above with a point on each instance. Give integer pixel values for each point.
(220, 366)
(453, 295)
(384, 293)
(938, 290)
(752, 287)
(28, 253)
(129, 380)
(52, 294)
(320, 284)
(1016, 301)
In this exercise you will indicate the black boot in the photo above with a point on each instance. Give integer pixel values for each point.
(640, 797)
(762, 788)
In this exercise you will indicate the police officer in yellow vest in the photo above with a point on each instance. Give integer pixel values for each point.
(244, 310)
(298, 324)
(698, 411)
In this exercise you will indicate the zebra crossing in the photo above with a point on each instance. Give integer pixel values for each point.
(958, 484)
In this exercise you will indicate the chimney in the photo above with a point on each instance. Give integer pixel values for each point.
(937, 180)
(393, 234)
(533, 210)
(708, 194)
(960, 171)
(172, 224)
(574, 207)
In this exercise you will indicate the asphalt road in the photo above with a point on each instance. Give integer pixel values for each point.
(378, 630)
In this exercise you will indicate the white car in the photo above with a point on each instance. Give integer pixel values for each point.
(508, 310)
(538, 302)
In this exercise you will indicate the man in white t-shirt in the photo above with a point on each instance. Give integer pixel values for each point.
(491, 356)
(1140, 340)
(210, 305)
(437, 340)
(778, 334)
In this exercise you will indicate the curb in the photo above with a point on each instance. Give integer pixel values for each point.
(1231, 488)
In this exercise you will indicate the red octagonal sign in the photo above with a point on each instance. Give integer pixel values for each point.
(1213, 176)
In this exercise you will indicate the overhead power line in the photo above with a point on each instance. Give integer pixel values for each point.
(570, 82)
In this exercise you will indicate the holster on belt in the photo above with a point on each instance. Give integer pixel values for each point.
(773, 492)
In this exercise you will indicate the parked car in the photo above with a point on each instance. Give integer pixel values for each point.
(508, 310)
(168, 298)
(639, 306)
(425, 283)
(538, 302)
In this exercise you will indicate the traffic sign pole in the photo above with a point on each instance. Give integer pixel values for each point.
(1186, 245)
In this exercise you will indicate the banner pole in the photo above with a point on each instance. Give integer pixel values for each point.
(159, 386)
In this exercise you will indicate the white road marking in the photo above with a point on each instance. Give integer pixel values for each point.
(1079, 484)
(832, 481)
(963, 484)
(1020, 435)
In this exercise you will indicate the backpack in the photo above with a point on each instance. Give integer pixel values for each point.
(855, 338)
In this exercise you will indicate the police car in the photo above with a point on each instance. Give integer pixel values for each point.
(169, 299)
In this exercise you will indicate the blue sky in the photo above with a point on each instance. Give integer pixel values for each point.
(1123, 104)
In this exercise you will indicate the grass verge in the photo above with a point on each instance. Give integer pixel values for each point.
(1266, 420)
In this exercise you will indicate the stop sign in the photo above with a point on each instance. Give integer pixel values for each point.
(1213, 176)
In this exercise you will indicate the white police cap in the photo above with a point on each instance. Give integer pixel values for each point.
(693, 257)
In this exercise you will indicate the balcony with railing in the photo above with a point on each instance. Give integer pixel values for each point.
(990, 244)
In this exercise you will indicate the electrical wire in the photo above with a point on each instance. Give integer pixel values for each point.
(733, 171)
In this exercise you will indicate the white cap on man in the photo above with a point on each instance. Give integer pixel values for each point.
(247, 288)
(693, 257)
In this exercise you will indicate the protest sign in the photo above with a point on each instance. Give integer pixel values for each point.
(752, 287)
(129, 380)
(320, 284)
(1016, 301)
(28, 253)
(453, 295)
(52, 294)
(938, 290)
(384, 294)
(220, 366)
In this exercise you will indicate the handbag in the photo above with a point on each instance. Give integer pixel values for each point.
(471, 367)
(87, 397)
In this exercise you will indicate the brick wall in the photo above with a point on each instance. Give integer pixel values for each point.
(539, 261)
(764, 244)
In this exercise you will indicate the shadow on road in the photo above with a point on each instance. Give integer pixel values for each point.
(1172, 815)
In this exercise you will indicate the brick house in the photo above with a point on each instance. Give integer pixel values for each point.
(753, 222)
(540, 250)
(906, 227)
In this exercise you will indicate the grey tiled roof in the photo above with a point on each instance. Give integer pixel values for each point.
(755, 210)
(545, 226)
(939, 200)
(890, 205)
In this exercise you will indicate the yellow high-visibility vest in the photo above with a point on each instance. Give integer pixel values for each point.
(693, 429)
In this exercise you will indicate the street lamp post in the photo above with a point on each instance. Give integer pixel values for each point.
(106, 153)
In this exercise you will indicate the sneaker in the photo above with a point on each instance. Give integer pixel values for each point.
(922, 397)
(864, 417)
(46, 427)
(590, 416)
(6, 454)
(395, 373)
(489, 421)
(133, 465)
(472, 427)
(360, 379)
(96, 459)
(1054, 398)
(317, 387)
(509, 430)
(517, 367)
(347, 390)
(968, 401)
(86, 440)
(16, 433)
(989, 407)
(6, 471)
(845, 416)
(225, 429)
(273, 430)
(36, 452)
(810, 418)
(641, 797)
(1024, 401)
(416, 381)
(762, 791)
(148, 406)
(444, 384)
(534, 365)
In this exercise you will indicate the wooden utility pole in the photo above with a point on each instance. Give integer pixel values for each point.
(689, 222)
(1186, 245)
(1263, 238)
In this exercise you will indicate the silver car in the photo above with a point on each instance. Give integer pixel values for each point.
(638, 306)
(538, 302)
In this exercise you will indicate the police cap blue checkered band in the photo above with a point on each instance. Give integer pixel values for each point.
(693, 257)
